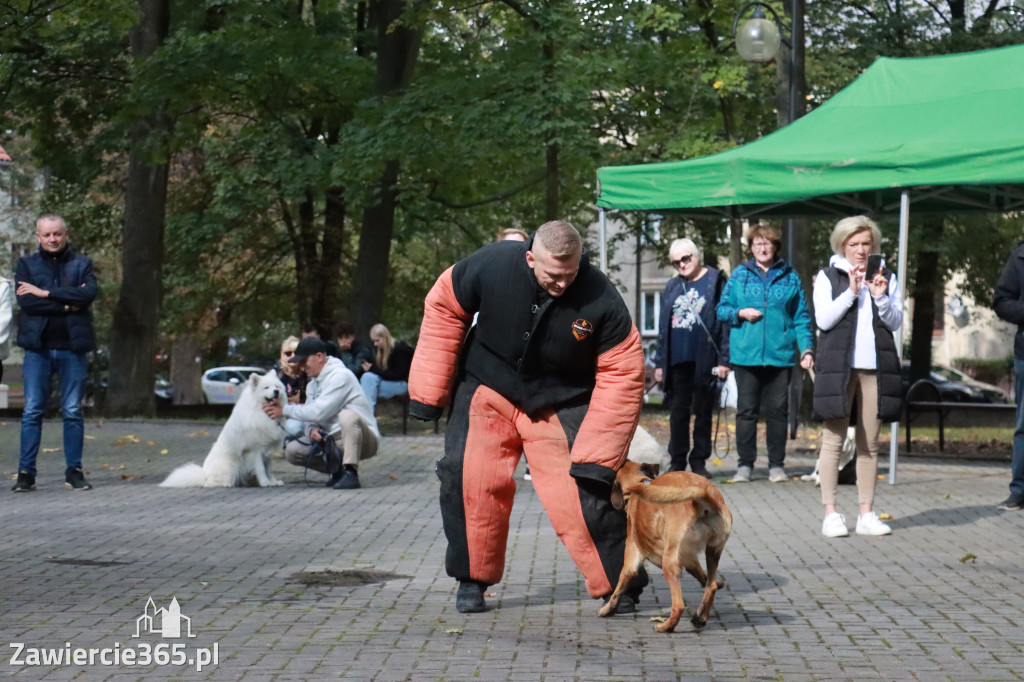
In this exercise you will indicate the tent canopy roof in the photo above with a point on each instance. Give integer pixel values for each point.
(950, 127)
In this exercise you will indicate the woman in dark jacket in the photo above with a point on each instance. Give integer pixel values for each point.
(388, 375)
(693, 353)
(857, 363)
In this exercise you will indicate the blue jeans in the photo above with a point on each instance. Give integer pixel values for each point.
(374, 387)
(1017, 463)
(38, 369)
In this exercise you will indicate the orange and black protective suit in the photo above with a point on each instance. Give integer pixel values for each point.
(557, 379)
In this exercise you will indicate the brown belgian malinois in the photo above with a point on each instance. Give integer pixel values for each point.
(671, 520)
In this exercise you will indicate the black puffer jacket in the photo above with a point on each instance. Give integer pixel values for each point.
(835, 351)
(69, 278)
(1009, 299)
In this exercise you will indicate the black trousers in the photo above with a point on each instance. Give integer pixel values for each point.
(691, 396)
(764, 392)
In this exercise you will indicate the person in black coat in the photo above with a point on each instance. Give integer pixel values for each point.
(387, 375)
(693, 353)
(857, 363)
(1009, 305)
(55, 287)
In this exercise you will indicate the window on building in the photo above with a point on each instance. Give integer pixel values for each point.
(650, 307)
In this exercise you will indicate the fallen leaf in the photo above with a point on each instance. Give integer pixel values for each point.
(490, 594)
(149, 442)
(201, 432)
(967, 557)
(118, 442)
(717, 461)
(126, 477)
(884, 516)
(204, 584)
(453, 631)
(658, 619)
(393, 477)
(164, 451)
(51, 449)
(946, 496)
(88, 437)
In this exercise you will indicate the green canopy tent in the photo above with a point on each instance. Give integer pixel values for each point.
(944, 134)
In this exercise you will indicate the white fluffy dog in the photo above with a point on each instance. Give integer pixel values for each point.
(241, 454)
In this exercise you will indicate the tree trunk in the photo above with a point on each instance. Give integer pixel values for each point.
(136, 318)
(927, 285)
(186, 370)
(398, 46)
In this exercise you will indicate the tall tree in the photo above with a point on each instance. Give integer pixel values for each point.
(136, 322)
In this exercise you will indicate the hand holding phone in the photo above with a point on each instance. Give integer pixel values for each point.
(875, 265)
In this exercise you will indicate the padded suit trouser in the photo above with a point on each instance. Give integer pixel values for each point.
(483, 440)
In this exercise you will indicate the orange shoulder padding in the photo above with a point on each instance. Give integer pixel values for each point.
(607, 429)
(442, 334)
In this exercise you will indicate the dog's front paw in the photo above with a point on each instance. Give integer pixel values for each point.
(272, 482)
(607, 610)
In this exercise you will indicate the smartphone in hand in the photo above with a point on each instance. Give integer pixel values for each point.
(875, 265)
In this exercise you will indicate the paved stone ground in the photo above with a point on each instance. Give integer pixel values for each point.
(77, 568)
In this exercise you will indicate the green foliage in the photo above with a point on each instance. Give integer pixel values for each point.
(276, 113)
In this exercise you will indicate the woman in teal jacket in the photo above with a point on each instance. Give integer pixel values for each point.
(764, 306)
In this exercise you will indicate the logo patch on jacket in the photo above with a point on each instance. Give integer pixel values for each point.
(581, 329)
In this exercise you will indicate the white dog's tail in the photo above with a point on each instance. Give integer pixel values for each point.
(189, 475)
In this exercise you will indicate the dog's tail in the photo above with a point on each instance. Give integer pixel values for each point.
(186, 476)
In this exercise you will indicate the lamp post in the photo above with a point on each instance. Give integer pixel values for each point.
(760, 39)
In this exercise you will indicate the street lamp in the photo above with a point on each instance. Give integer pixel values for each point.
(759, 40)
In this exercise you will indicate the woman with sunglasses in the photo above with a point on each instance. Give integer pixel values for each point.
(693, 353)
(293, 378)
(765, 309)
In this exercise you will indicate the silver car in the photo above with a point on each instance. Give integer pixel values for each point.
(224, 384)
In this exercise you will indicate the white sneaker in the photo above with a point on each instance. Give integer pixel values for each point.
(742, 475)
(834, 526)
(868, 524)
(777, 475)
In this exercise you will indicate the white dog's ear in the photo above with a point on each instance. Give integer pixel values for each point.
(254, 379)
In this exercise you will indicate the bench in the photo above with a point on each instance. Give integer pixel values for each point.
(924, 396)
(402, 401)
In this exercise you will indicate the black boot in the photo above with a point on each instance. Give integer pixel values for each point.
(470, 597)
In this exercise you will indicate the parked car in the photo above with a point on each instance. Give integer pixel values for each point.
(957, 390)
(990, 390)
(224, 384)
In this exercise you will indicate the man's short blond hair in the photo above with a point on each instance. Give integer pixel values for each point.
(52, 216)
(847, 227)
(560, 239)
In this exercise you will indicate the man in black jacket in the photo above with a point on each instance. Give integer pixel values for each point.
(1009, 305)
(55, 288)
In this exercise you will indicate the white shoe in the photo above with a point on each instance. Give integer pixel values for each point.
(868, 524)
(742, 475)
(834, 526)
(777, 475)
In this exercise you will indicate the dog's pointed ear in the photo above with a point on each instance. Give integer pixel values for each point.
(617, 500)
(650, 470)
(254, 378)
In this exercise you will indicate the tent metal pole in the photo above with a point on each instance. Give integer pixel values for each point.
(604, 240)
(901, 276)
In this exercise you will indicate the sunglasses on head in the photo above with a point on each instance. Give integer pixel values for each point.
(682, 261)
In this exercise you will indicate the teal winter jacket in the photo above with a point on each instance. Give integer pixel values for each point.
(786, 323)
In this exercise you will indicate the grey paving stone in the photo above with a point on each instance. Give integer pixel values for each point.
(79, 566)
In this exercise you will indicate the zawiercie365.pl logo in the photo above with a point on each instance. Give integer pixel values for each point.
(168, 622)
